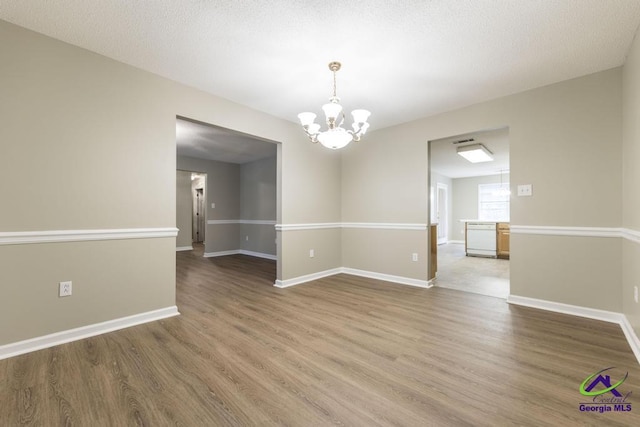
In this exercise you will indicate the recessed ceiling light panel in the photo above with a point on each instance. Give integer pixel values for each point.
(475, 153)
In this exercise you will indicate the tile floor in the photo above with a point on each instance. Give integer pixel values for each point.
(486, 276)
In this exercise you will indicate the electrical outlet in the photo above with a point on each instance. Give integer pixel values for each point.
(635, 294)
(414, 257)
(246, 238)
(65, 289)
(312, 253)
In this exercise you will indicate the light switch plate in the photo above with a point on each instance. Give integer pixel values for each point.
(525, 190)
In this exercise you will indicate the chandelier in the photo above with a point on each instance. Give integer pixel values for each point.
(335, 136)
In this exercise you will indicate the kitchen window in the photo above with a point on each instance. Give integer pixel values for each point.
(493, 202)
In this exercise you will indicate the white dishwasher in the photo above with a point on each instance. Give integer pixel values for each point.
(481, 239)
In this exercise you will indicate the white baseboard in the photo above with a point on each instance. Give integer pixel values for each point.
(388, 277)
(631, 336)
(590, 313)
(456, 242)
(220, 253)
(46, 341)
(362, 273)
(239, 252)
(258, 254)
(306, 278)
(184, 248)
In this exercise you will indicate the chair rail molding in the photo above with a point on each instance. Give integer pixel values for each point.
(56, 236)
(367, 225)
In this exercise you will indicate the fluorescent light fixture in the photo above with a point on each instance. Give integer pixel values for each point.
(476, 153)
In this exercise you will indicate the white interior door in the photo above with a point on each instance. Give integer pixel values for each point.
(442, 213)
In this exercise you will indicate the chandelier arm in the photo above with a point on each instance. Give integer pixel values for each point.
(313, 138)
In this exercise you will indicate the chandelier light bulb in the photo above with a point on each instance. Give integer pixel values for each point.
(360, 116)
(306, 118)
(331, 111)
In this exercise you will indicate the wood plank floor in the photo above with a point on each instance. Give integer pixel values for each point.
(339, 351)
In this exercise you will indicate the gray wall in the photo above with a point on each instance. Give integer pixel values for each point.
(631, 183)
(245, 210)
(465, 200)
(257, 205)
(223, 189)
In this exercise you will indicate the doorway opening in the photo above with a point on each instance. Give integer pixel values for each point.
(234, 193)
(442, 212)
(198, 229)
(470, 204)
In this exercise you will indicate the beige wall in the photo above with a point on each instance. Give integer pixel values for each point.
(385, 251)
(298, 243)
(565, 140)
(631, 181)
(68, 113)
(184, 209)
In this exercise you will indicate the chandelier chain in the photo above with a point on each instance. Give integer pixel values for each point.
(334, 84)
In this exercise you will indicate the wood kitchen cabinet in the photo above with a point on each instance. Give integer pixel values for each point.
(433, 251)
(503, 236)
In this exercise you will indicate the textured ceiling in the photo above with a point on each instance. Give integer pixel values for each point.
(401, 59)
(203, 141)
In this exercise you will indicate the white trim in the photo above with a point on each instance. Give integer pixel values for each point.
(590, 313)
(257, 222)
(456, 242)
(631, 235)
(56, 236)
(306, 278)
(368, 225)
(239, 252)
(631, 336)
(625, 233)
(567, 231)
(259, 254)
(184, 248)
(558, 307)
(385, 226)
(316, 226)
(354, 272)
(46, 341)
(221, 253)
(388, 278)
(240, 221)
